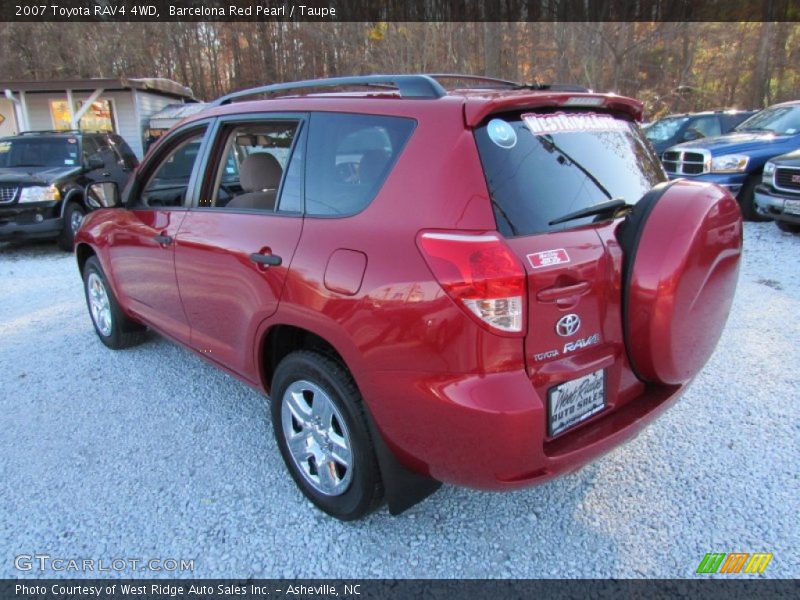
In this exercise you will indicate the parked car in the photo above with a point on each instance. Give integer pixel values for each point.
(487, 286)
(735, 161)
(169, 116)
(686, 127)
(43, 175)
(778, 196)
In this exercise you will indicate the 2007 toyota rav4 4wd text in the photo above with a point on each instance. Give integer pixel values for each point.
(488, 286)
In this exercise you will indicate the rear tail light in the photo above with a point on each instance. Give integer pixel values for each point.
(482, 275)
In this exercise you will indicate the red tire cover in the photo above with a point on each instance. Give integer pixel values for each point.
(680, 280)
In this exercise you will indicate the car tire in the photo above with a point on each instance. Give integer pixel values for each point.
(319, 420)
(747, 200)
(788, 227)
(113, 328)
(73, 217)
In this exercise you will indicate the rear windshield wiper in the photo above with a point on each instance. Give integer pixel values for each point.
(611, 206)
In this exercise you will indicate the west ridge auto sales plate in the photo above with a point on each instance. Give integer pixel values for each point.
(574, 401)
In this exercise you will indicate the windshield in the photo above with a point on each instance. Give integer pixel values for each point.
(783, 120)
(664, 129)
(571, 162)
(38, 152)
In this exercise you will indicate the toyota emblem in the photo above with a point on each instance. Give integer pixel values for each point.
(568, 325)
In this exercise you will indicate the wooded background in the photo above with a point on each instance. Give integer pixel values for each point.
(670, 66)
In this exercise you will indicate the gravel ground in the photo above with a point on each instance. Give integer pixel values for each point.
(152, 453)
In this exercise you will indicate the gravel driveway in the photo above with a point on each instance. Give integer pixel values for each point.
(152, 453)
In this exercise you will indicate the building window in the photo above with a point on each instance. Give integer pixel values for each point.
(59, 110)
(98, 117)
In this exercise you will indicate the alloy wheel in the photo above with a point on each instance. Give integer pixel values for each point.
(99, 304)
(317, 438)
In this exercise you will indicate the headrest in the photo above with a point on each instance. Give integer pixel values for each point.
(259, 172)
(372, 165)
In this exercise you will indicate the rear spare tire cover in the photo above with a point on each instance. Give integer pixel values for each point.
(682, 243)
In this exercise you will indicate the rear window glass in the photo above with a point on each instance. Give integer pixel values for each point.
(540, 167)
(349, 158)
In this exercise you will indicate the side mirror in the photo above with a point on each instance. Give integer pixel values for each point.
(692, 134)
(94, 162)
(104, 194)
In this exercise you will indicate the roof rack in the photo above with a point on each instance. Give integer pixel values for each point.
(493, 81)
(64, 131)
(409, 86)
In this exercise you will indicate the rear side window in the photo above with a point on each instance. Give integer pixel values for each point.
(349, 158)
(539, 167)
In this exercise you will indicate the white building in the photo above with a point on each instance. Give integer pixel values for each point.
(120, 105)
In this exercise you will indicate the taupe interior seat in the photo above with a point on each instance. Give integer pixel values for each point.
(260, 176)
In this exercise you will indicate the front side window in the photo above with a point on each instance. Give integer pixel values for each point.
(90, 146)
(349, 158)
(708, 126)
(129, 159)
(255, 157)
(169, 180)
(540, 167)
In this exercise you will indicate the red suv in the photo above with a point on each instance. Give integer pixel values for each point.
(488, 286)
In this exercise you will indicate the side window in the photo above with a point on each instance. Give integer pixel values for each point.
(349, 158)
(708, 126)
(168, 182)
(105, 151)
(253, 158)
(129, 159)
(90, 147)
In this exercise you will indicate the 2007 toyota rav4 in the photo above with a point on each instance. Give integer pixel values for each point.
(487, 286)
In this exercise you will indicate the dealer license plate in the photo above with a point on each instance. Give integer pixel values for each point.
(792, 207)
(574, 401)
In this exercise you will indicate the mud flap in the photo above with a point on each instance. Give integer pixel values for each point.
(403, 487)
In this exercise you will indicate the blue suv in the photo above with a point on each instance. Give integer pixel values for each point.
(736, 160)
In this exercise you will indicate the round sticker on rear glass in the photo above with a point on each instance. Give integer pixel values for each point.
(502, 133)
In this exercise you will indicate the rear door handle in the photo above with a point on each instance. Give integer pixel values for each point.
(554, 293)
(164, 240)
(269, 260)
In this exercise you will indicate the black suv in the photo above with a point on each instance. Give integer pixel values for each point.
(687, 127)
(43, 175)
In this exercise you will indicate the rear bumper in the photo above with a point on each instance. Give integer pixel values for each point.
(772, 204)
(490, 431)
(37, 221)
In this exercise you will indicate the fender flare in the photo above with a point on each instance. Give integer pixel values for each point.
(73, 195)
(403, 487)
